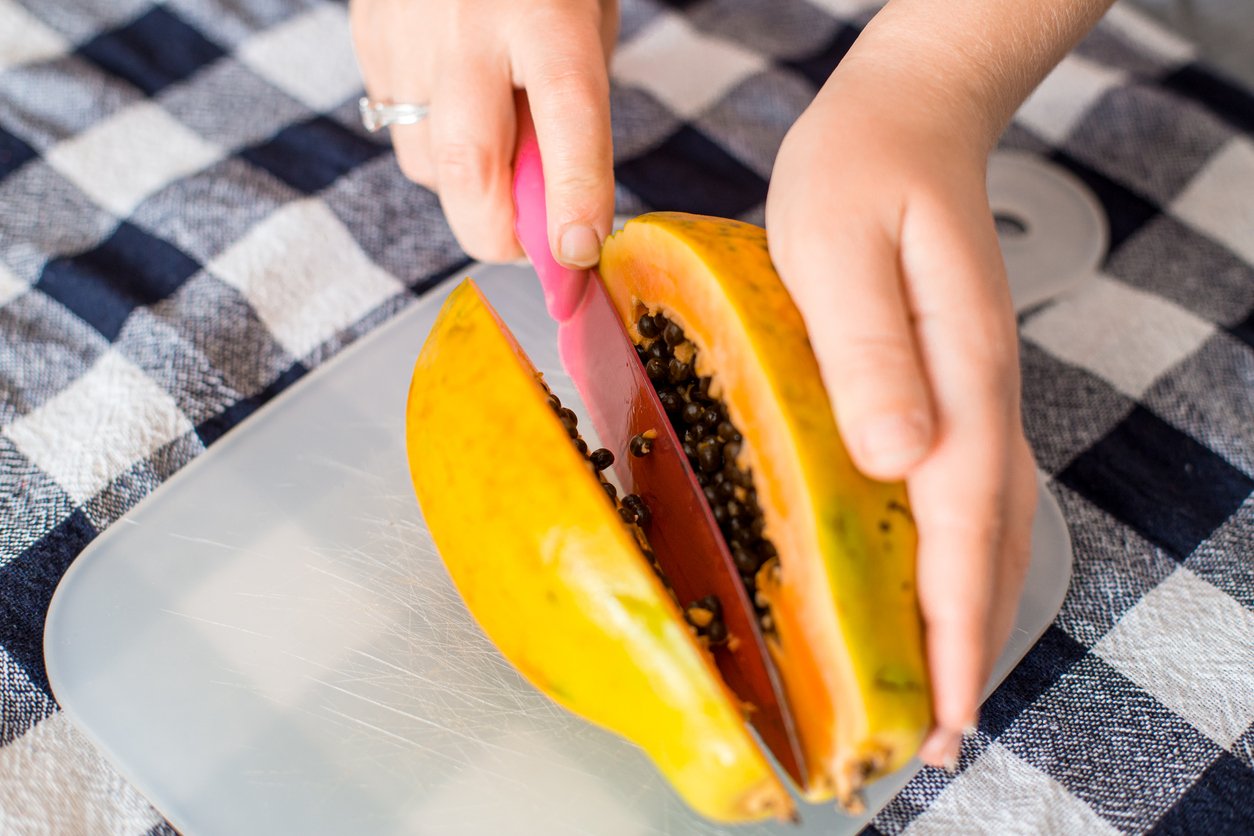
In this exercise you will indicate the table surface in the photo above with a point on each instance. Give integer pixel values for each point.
(191, 219)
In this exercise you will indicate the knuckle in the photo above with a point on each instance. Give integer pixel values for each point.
(880, 359)
(464, 164)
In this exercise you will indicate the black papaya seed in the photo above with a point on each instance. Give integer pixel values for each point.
(647, 327)
(726, 432)
(655, 369)
(601, 458)
(671, 402)
(581, 446)
(712, 417)
(746, 561)
(717, 632)
(640, 445)
(692, 413)
(731, 450)
(690, 451)
(659, 350)
(610, 489)
(673, 334)
(569, 417)
(626, 515)
(709, 456)
(678, 371)
(637, 507)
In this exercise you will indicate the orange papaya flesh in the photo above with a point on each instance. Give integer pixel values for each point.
(556, 578)
(838, 596)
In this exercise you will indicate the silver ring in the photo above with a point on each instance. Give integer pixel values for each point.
(377, 115)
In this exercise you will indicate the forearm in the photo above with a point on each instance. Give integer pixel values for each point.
(966, 64)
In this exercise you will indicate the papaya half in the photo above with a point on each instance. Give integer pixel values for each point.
(565, 583)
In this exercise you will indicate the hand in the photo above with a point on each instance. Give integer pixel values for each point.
(878, 221)
(465, 58)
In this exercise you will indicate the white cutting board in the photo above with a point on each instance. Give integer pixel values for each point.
(269, 643)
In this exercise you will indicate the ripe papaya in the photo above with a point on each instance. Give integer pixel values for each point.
(564, 583)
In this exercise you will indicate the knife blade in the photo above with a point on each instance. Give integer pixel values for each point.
(598, 354)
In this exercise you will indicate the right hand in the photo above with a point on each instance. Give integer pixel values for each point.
(466, 58)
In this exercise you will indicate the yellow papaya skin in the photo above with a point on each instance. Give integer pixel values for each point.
(554, 578)
(849, 639)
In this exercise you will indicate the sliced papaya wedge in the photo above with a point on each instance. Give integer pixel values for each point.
(561, 582)
(837, 591)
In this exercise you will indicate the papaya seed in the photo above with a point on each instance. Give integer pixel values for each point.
(656, 369)
(640, 445)
(638, 507)
(692, 413)
(659, 350)
(717, 632)
(726, 432)
(610, 489)
(581, 446)
(601, 458)
(647, 327)
(672, 334)
(671, 402)
(678, 371)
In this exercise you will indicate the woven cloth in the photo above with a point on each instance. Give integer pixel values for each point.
(191, 218)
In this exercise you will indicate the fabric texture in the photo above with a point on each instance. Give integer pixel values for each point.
(191, 219)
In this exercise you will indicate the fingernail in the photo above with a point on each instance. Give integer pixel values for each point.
(895, 442)
(579, 246)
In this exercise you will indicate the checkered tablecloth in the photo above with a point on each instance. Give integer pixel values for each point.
(191, 219)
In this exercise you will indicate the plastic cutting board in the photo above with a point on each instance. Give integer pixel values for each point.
(270, 644)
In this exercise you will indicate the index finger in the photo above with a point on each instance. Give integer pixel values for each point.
(568, 89)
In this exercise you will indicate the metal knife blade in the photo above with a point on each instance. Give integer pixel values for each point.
(601, 359)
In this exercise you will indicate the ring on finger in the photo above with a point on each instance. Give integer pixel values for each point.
(377, 114)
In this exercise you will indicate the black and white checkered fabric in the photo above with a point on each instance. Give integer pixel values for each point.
(191, 219)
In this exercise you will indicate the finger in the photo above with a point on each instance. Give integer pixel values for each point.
(392, 72)
(966, 517)
(568, 87)
(859, 325)
(960, 535)
(472, 145)
(1016, 549)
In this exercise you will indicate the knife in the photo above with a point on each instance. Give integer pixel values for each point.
(601, 359)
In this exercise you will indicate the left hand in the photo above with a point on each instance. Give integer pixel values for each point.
(878, 221)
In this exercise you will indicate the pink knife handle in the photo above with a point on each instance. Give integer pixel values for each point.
(563, 287)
